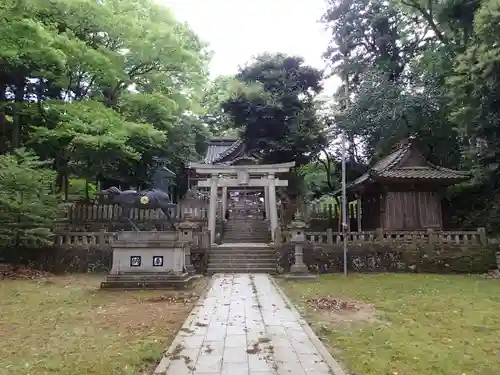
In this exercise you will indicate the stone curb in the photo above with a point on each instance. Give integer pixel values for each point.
(162, 367)
(327, 357)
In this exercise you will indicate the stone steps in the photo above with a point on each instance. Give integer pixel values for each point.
(243, 231)
(243, 252)
(244, 239)
(241, 270)
(243, 235)
(252, 233)
(242, 258)
(141, 281)
(246, 265)
(241, 267)
(237, 234)
(246, 233)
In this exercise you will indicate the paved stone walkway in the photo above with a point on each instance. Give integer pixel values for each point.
(245, 327)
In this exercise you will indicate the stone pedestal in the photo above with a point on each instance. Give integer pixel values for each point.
(148, 260)
(298, 270)
(186, 236)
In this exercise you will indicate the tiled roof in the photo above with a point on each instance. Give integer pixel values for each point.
(219, 147)
(381, 165)
(228, 151)
(387, 168)
(435, 173)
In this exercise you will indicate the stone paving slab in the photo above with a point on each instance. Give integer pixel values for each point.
(246, 326)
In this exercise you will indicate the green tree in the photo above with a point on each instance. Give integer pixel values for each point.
(276, 109)
(28, 204)
(90, 140)
(395, 61)
(212, 114)
(427, 68)
(476, 88)
(186, 136)
(84, 80)
(319, 178)
(385, 112)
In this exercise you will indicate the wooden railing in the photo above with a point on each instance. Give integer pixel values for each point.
(201, 239)
(82, 212)
(477, 237)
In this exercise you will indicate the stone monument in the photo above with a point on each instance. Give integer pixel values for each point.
(149, 260)
(298, 270)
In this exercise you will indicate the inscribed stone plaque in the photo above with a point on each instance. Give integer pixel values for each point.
(157, 261)
(135, 261)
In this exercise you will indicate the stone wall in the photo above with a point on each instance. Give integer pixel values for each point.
(60, 259)
(429, 258)
(93, 258)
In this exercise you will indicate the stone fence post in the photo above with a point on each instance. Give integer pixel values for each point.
(482, 236)
(278, 236)
(432, 235)
(186, 237)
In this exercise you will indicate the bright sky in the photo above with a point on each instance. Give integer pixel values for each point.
(237, 30)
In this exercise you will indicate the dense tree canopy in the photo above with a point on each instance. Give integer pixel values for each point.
(212, 114)
(28, 204)
(100, 90)
(275, 108)
(428, 68)
(92, 84)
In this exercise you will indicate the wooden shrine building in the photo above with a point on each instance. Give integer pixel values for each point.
(402, 192)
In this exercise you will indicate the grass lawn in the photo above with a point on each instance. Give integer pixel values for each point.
(406, 324)
(67, 326)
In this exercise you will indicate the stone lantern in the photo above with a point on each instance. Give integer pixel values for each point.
(297, 230)
(186, 236)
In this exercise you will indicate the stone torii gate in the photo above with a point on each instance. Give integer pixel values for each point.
(224, 176)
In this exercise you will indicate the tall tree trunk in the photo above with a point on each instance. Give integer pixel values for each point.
(66, 186)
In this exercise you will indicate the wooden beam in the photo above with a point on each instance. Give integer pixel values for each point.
(235, 183)
(233, 169)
